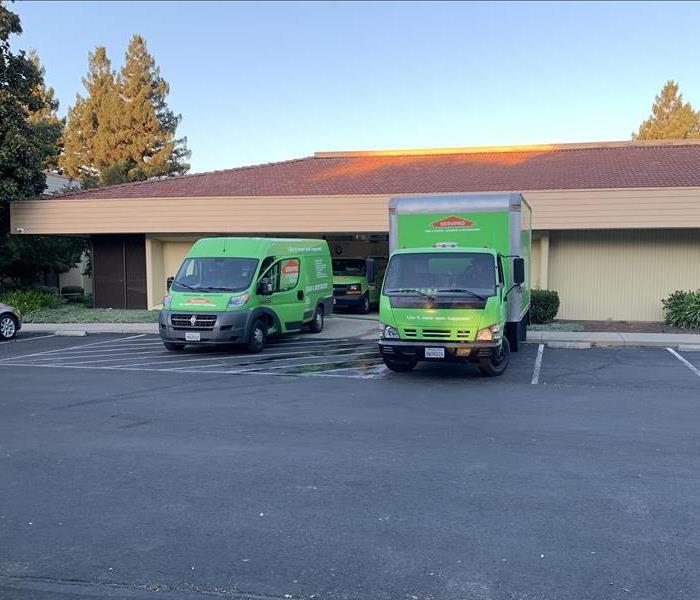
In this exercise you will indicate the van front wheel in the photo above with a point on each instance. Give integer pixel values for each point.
(496, 364)
(173, 347)
(365, 305)
(316, 325)
(258, 337)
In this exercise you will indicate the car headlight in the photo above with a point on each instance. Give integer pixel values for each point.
(489, 334)
(167, 299)
(388, 332)
(239, 300)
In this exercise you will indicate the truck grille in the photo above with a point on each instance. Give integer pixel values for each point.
(437, 334)
(193, 322)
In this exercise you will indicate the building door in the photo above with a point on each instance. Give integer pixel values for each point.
(119, 271)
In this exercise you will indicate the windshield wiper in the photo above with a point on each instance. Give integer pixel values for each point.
(218, 289)
(461, 291)
(409, 291)
(189, 287)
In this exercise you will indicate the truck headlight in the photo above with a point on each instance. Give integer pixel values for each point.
(239, 300)
(167, 299)
(489, 334)
(355, 289)
(388, 332)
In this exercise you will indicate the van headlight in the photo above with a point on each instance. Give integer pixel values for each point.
(239, 300)
(388, 332)
(489, 334)
(167, 299)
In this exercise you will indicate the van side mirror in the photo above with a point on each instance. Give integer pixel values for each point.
(265, 287)
(169, 282)
(370, 271)
(518, 270)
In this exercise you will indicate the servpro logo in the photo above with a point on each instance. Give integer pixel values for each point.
(452, 223)
(199, 301)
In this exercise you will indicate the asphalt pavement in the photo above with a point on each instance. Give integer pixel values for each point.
(575, 475)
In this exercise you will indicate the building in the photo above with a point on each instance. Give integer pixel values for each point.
(616, 225)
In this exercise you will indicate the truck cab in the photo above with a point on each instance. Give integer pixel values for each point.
(463, 297)
(357, 282)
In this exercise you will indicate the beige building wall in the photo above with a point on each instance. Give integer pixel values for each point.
(622, 274)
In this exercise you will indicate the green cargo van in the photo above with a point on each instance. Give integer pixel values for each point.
(457, 284)
(357, 282)
(242, 290)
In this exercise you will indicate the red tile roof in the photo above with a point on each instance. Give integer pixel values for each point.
(570, 166)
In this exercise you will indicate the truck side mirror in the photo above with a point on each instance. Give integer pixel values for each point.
(169, 282)
(518, 270)
(265, 287)
(370, 271)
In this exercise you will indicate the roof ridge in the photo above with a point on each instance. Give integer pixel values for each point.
(513, 148)
(178, 177)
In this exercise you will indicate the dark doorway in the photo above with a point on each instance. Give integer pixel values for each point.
(119, 271)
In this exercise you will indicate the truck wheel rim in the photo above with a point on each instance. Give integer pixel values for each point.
(319, 318)
(7, 327)
(258, 335)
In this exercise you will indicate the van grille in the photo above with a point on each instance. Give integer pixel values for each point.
(437, 334)
(340, 290)
(200, 322)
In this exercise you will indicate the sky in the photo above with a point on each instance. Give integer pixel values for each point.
(262, 82)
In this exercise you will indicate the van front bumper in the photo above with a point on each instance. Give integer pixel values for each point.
(228, 328)
(415, 350)
(348, 301)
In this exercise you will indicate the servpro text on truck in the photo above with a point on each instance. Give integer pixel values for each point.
(242, 290)
(457, 284)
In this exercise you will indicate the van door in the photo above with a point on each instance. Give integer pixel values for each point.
(287, 298)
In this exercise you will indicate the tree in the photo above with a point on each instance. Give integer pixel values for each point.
(149, 123)
(91, 133)
(671, 118)
(47, 124)
(123, 130)
(23, 151)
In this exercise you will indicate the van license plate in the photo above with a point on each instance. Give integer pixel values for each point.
(434, 353)
(193, 336)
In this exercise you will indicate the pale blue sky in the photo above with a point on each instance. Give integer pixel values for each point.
(259, 82)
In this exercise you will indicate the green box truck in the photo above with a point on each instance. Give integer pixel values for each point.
(357, 282)
(457, 284)
(242, 290)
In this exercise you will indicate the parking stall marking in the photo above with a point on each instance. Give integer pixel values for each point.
(28, 339)
(688, 364)
(538, 365)
(291, 356)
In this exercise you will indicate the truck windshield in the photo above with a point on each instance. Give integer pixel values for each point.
(442, 274)
(349, 266)
(215, 274)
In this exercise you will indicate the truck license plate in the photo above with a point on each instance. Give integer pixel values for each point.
(193, 336)
(434, 353)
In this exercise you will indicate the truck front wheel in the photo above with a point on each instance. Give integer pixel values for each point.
(258, 337)
(173, 347)
(365, 305)
(400, 366)
(497, 363)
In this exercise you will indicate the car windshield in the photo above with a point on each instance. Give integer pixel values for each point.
(463, 273)
(215, 274)
(349, 266)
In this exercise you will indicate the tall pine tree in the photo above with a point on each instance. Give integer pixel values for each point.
(671, 118)
(123, 130)
(48, 126)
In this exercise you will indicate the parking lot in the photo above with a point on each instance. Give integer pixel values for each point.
(310, 471)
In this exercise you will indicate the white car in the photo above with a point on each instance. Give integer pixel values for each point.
(10, 322)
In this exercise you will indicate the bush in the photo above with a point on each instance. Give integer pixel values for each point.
(544, 306)
(682, 309)
(29, 301)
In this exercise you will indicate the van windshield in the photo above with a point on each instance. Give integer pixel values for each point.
(349, 266)
(463, 273)
(215, 274)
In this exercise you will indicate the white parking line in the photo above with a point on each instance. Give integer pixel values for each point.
(71, 347)
(538, 365)
(31, 339)
(691, 366)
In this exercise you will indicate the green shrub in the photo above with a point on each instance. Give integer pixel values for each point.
(544, 306)
(682, 309)
(29, 301)
(73, 293)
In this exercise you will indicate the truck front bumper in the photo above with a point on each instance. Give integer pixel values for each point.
(454, 351)
(229, 328)
(348, 301)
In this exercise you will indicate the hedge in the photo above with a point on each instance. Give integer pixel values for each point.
(29, 301)
(682, 309)
(544, 306)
